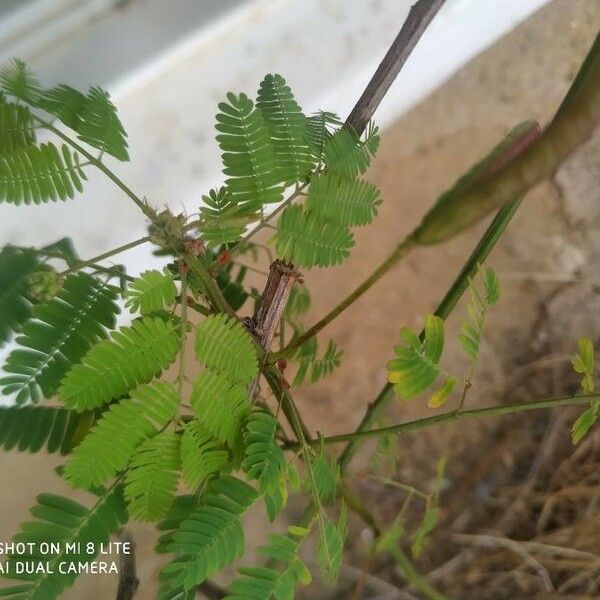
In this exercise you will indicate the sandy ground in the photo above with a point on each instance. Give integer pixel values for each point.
(554, 236)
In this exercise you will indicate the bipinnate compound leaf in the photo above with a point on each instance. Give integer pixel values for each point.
(209, 538)
(133, 355)
(109, 446)
(57, 336)
(308, 240)
(223, 345)
(152, 291)
(415, 367)
(79, 533)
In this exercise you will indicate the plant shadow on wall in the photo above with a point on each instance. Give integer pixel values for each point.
(195, 463)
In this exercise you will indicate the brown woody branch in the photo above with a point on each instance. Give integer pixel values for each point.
(419, 17)
(128, 581)
(274, 299)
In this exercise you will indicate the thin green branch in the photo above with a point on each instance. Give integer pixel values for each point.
(128, 246)
(113, 270)
(401, 250)
(92, 262)
(265, 221)
(285, 401)
(356, 505)
(199, 308)
(455, 415)
(141, 204)
(211, 289)
(412, 576)
(479, 254)
(409, 489)
(184, 323)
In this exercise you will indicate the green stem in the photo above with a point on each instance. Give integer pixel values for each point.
(285, 400)
(92, 262)
(409, 489)
(413, 576)
(446, 306)
(141, 204)
(401, 250)
(455, 415)
(356, 505)
(118, 250)
(184, 322)
(202, 310)
(212, 290)
(111, 270)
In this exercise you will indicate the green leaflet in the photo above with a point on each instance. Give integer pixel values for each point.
(309, 241)
(347, 154)
(152, 478)
(107, 449)
(30, 428)
(331, 546)
(59, 334)
(442, 394)
(276, 499)
(584, 422)
(431, 516)
(181, 508)
(319, 128)
(287, 128)
(151, 292)
(16, 127)
(584, 363)
(479, 301)
(220, 406)
(222, 221)
(202, 455)
(16, 80)
(263, 458)
(65, 103)
(93, 116)
(415, 367)
(319, 234)
(16, 265)
(326, 474)
(223, 345)
(317, 367)
(248, 156)
(209, 538)
(133, 355)
(100, 126)
(58, 519)
(264, 583)
(36, 174)
(342, 199)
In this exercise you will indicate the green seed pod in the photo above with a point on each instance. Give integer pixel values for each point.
(467, 202)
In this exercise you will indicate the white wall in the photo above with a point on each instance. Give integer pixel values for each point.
(168, 63)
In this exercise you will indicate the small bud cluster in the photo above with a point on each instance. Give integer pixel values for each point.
(44, 285)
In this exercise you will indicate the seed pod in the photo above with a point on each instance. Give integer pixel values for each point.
(468, 201)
